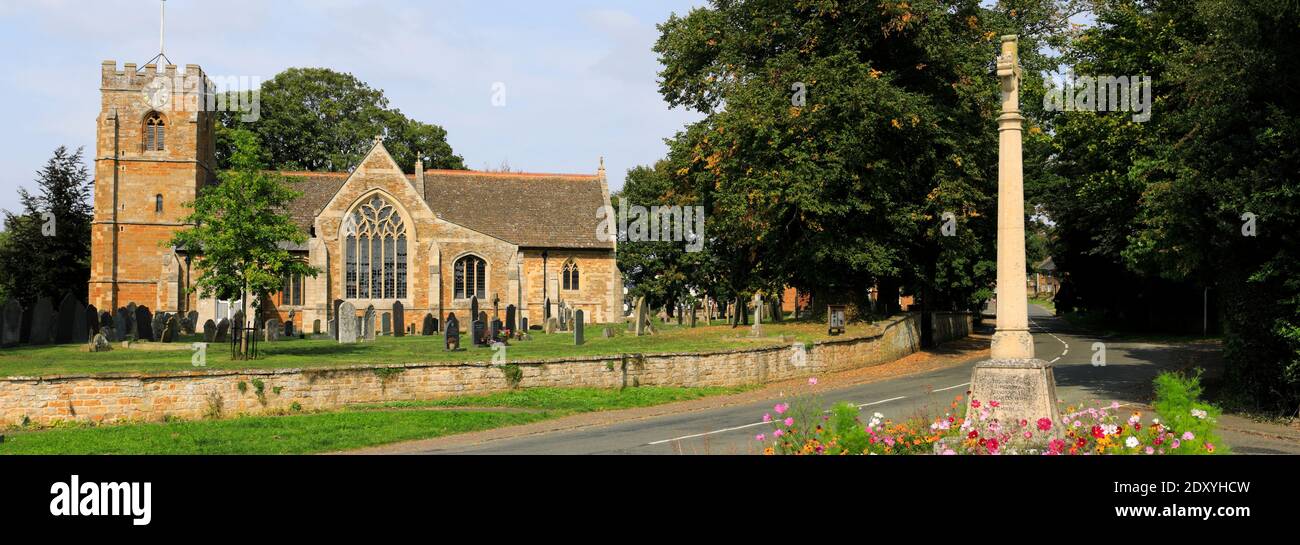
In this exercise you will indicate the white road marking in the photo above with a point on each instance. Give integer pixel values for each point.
(1053, 335)
(725, 430)
(952, 387)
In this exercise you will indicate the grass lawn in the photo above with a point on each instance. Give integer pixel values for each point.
(1045, 302)
(357, 427)
(70, 359)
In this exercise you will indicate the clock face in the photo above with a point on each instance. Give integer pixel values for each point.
(158, 93)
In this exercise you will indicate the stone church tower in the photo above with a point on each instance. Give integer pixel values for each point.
(154, 150)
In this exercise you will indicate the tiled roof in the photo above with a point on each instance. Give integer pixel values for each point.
(526, 209)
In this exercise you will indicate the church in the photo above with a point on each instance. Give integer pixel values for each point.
(433, 240)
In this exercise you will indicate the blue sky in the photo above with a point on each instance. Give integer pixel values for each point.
(580, 78)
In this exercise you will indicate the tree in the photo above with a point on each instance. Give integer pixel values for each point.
(239, 229)
(837, 137)
(317, 119)
(46, 249)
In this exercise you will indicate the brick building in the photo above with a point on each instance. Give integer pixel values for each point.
(432, 239)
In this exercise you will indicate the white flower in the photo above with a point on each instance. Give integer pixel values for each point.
(1199, 414)
(1155, 420)
(878, 415)
(1131, 442)
(1109, 429)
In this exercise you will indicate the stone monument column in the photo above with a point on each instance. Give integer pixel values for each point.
(1023, 387)
(1012, 339)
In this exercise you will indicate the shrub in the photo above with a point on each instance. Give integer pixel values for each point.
(1178, 402)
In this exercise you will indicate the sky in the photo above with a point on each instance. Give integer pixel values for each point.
(580, 80)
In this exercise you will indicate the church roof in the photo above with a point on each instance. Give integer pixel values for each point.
(533, 210)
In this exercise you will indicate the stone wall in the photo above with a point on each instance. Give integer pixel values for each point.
(196, 394)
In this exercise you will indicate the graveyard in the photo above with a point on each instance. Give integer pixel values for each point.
(312, 351)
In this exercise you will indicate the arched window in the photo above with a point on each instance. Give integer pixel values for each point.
(471, 277)
(157, 203)
(374, 249)
(571, 275)
(155, 132)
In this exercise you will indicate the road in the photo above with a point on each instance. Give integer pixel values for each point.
(1125, 376)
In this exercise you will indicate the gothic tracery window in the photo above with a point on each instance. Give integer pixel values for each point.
(374, 239)
(470, 277)
(571, 275)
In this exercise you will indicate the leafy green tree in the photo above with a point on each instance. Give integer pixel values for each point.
(317, 119)
(239, 229)
(46, 249)
(838, 135)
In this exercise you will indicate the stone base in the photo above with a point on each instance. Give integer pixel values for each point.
(1023, 389)
(1012, 344)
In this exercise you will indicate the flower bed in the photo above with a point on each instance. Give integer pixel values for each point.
(1182, 425)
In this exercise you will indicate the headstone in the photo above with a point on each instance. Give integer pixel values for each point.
(80, 332)
(238, 321)
(132, 328)
(172, 330)
(494, 330)
(640, 319)
(399, 319)
(693, 324)
(315, 327)
(332, 324)
(288, 328)
(479, 332)
(428, 328)
(100, 343)
(609, 332)
(106, 322)
(511, 315)
(271, 331)
(157, 324)
(451, 334)
(122, 325)
(578, 337)
(10, 331)
(347, 323)
(334, 330)
(42, 317)
(66, 327)
(386, 320)
(473, 307)
(191, 324)
(91, 321)
(552, 324)
(756, 330)
(209, 331)
(368, 323)
(25, 325)
(523, 325)
(223, 331)
(547, 309)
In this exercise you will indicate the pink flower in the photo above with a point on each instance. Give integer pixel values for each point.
(975, 403)
(1187, 436)
(812, 381)
(778, 433)
(760, 437)
(994, 404)
(1029, 435)
(781, 408)
(789, 422)
(1151, 450)
(1175, 444)
(1044, 424)
(767, 417)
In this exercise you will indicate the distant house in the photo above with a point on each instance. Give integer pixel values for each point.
(1045, 280)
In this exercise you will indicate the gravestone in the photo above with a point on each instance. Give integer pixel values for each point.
(347, 323)
(428, 328)
(552, 324)
(609, 332)
(132, 328)
(523, 324)
(511, 316)
(451, 334)
(81, 329)
(108, 327)
(238, 321)
(271, 331)
(42, 318)
(547, 310)
(191, 323)
(756, 330)
(288, 328)
(473, 307)
(171, 330)
(640, 319)
(91, 321)
(157, 324)
(578, 337)
(223, 331)
(334, 330)
(100, 343)
(692, 322)
(368, 323)
(315, 327)
(386, 320)
(25, 325)
(479, 332)
(399, 319)
(66, 325)
(332, 325)
(10, 332)
(494, 331)
(122, 325)
(209, 331)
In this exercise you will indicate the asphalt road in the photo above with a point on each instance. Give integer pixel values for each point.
(1125, 376)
